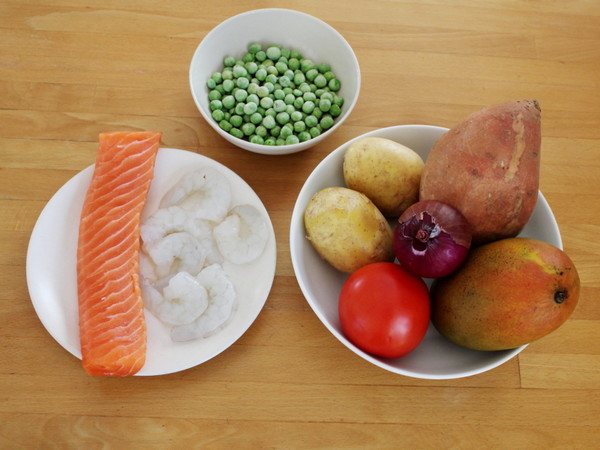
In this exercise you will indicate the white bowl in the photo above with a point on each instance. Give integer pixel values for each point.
(435, 357)
(312, 37)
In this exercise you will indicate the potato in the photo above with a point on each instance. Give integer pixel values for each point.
(346, 229)
(385, 171)
(488, 168)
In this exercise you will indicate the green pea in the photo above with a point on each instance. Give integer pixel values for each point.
(270, 86)
(228, 85)
(250, 108)
(268, 122)
(248, 57)
(252, 88)
(289, 109)
(335, 110)
(270, 112)
(280, 141)
(215, 104)
(240, 95)
(266, 102)
(275, 131)
(255, 139)
(326, 121)
(299, 78)
(309, 96)
(285, 52)
(261, 131)
(255, 118)
(242, 83)
(311, 121)
(270, 141)
(252, 98)
(229, 61)
(218, 115)
(284, 81)
(211, 84)
(281, 67)
(251, 67)
(282, 117)
(324, 105)
(239, 71)
(260, 55)
(320, 81)
(278, 94)
(236, 120)
(296, 116)
(227, 74)
(299, 126)
(289, 73)
(304, 88)
(324, 67)
(279, 105)
(225, 125)
(314, 132)
(337, 100)
(334, 84)
(304, 136)
(312, 74)
(261, 74)
(295, 54)
(228, 101)
(262, 91)
(248, 128)
(329, 75)
(273, 53)
(236, 132)
(254, 48)
(214, 95)
(289, 99)
(239, 108)
(285, 132)
(298, 102)
(292, 139)
(308, 106)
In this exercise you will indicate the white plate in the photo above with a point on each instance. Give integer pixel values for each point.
(52, 274)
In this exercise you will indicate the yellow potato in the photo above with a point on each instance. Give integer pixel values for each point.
(347, 230)
(385, 171)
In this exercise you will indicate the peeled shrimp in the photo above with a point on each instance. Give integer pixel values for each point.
(175, 219)
(181, 302)
(221, 303)
(176, 252)
(204, 193)
(241, 237)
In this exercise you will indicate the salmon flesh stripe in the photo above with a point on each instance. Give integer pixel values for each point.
(112, 327)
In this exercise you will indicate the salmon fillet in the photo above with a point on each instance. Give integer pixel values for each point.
(112, 327)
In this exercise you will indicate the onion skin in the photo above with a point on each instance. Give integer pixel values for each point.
(432, 239)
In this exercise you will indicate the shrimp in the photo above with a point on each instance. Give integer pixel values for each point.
(242, 236)
(221, 304)
(176, 252)
(181, 302)
(204, 193)
(175, 219)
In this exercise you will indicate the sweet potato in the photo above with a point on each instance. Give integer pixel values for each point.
(488, 167)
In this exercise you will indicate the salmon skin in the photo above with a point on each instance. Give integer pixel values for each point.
(112, 327)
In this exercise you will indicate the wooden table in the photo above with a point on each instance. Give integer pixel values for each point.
(70, 69)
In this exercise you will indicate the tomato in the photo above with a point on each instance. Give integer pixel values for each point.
(384, 310)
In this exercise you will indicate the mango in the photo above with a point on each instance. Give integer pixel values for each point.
(487, 167)
(508, 293)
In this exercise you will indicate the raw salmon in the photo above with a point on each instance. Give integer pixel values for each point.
(112, 326)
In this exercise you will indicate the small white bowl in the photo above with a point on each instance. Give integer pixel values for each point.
(312, 37)
(435, 357)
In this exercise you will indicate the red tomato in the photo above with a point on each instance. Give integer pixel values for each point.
(384, 310)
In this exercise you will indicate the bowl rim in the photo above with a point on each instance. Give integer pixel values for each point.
(279, 149)
(296, 222)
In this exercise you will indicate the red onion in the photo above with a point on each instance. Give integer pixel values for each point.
(432, 239)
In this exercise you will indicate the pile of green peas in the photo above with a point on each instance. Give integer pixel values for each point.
(274, 96)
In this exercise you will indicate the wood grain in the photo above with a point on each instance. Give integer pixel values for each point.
(70, 69)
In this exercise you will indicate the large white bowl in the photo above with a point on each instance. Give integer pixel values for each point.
(312, 37)
(436, 357)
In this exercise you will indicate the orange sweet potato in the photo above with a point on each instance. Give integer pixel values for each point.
(488, 167)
